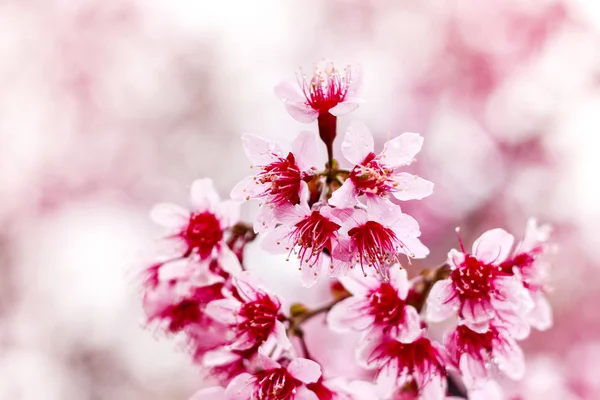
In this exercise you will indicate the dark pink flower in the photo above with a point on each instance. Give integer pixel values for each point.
(477, 355)
(376, 174)
(310, 234)
(252, 313)
(281, 179)
(276, 382)
(327, 91)
(373, 238)
(418, 364)
(377, 305)
(478, 289)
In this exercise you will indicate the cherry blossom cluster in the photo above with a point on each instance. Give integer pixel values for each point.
(343, 225)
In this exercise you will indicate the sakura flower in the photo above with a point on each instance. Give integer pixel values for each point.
(327, 92)
(476, 354)
(199, 231)
(310, 234)
(276, 382)
(377, 305)
(374, 237)
(418, 365)
(281, 179)
(376, 174)
(252, 313)
(477, 287)
(526, 264)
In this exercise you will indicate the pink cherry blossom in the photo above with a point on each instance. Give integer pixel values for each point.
(328, 91)
(419, 363)
(199, 231)
(376, 174)
(477, 355)
(310, 234)
(276, 382)
(377, 305)
(252, 312)
(526, 263)
(477, 288)
(281, 179)
(375, 237)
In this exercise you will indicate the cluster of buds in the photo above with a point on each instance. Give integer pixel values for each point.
(346, 226)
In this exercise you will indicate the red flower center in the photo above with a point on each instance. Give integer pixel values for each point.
(371, 177)
(375, 244)
(259, 318)
(386, 306)
(313, 235)
(275, 384)
(473, 343)
(203, 233)
(474, 280)
(284, 178)
(326, 89)
(418, 358)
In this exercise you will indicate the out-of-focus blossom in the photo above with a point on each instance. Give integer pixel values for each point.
(376, 174)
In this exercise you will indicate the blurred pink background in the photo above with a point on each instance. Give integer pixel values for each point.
(107, 107)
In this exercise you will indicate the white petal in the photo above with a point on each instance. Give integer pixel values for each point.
(304, 370)
(359, 286)
(246, 189)
(306, 150)
(510, 360)
(441, 302)
(345, 107)
(456, 258)
(259, 151)
(265, 220)
(411, 328)
(399, 279)
(358, 142)
(346, 315)
(493, 246)
(228, 212)
(402, 149)
(301, 112)
(345, 196)
(277, 241)
(288, 91)
(435, 388)
(411, 187)
(203, 194)
(170, 215)
(281, 336)
(473, 370)
(229, 262)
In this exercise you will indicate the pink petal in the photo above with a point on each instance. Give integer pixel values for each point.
(219, 357)
(493, 246)
(455, 258)
(511, 295)
(228, 213)
(247, 285)
(288, 91)
(304, 370)
(259, 151)
(290, 215)
(399, 279)
(303, 393)
(359, 286)
(170, 215)
(401, 150)
(490, 390)
(203, 194)
(339, 268)
(411, 187)
(365, 348)
(434, 389)
(311, 274)
(265, 220)
(473, 370)
(534, 235)
(414, 248)
(345, 196)
(229, 262)
(223, 310)
(212, 393)
(267, 362)
(345, 107)
(277, 241)
(510, 360)
(541, 316)
(246, 189)
(301, 112)
(281, 336)
(387, 377)
(306, 150)
(346, 315)
(411, 328)
(476, 312)
(240, 388)
(514, 324)
(358, 142)
(442, 301)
